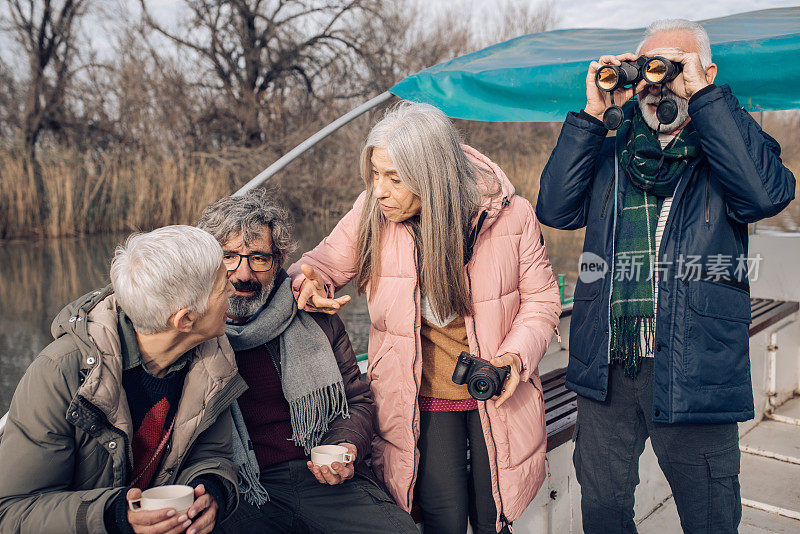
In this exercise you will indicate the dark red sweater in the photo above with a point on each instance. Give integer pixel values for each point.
(265, 410)
(153, 403)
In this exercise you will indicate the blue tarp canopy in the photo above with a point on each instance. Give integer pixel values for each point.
(541, 76)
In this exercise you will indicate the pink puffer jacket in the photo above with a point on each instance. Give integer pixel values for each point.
(517, 305)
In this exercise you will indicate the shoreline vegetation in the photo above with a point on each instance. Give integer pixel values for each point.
(129, 115)
(116, 192)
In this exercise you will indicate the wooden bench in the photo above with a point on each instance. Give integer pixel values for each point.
(561, 405)
(560, 408)
(766, 312)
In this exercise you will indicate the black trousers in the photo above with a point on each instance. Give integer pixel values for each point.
(298, 504)
(700, 461)
(447, 491)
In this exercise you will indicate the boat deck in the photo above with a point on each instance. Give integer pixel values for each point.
(769, 479)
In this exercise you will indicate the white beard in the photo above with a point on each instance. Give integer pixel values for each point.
(650, 117)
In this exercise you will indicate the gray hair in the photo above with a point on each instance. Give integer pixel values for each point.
(426, 150)
(668, 25)
(250, 214)
(160, 272)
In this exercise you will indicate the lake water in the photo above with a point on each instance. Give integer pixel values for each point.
(39, 277)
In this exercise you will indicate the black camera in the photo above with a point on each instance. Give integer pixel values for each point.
(483, 379)
(655, 70)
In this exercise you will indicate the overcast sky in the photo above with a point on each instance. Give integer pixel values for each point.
(635, 14)
(596, 13)
(570, 13)
(628, 13)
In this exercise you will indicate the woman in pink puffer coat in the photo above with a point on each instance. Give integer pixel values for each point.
(450, 260)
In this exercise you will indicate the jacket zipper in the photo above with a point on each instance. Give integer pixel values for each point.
(503, 518)
(613, 252)
(414, 363)
(605, 199)
(708, 210)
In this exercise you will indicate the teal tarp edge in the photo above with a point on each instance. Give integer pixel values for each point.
(536, 78)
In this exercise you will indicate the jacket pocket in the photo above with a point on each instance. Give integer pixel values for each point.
(385, 348)
(717, 336)
(524, 420)
(584, 322)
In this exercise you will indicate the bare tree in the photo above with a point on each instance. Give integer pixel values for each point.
(46, 30)
(416, 41)
(256, 51)
(517, 19)
(10, 97)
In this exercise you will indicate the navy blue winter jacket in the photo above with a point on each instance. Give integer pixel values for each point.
(702, 363)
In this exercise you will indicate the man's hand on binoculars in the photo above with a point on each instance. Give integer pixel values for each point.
(692, 79)
(598, 101)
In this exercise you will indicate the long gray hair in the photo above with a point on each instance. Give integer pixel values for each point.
(426, 150)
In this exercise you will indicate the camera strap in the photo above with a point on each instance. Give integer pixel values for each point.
(473, 237)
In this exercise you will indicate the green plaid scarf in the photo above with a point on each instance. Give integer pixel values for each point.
(654, 173)
(651, 169)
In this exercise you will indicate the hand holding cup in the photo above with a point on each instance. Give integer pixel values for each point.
(333, 464)
(160, 510)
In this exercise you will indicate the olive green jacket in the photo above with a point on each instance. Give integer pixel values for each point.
(66, 450)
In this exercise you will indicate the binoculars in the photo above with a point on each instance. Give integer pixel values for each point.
(655, 70)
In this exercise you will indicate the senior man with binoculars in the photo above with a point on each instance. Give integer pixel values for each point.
(659, 340)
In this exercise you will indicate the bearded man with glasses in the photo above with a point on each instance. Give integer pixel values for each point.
(304, 390)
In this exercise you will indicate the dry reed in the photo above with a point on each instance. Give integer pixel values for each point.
(105, 193)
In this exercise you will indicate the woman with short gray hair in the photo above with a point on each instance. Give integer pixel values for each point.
(133, 393)
(453, 264)
(151, 277)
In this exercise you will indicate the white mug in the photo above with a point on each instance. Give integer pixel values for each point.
(327, 454)
(175, 496)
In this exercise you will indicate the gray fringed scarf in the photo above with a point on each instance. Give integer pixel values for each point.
(310, 378)
(245, 458)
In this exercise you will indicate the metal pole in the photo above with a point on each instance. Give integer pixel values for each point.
(309, 143)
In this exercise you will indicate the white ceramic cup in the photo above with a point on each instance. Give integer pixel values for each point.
(175, 496)
(327, 454)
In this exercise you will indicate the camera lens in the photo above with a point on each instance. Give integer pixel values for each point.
(484, 383)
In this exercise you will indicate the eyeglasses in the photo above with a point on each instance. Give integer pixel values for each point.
(258, 262)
